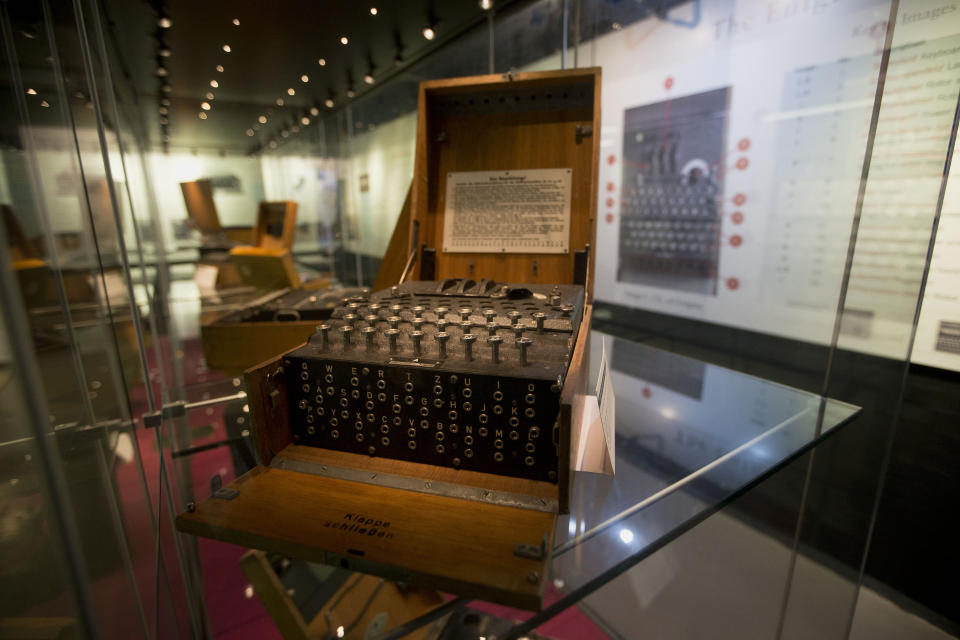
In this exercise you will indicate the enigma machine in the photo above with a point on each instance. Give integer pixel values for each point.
(457, 373)
(425, 432)
(270, 324)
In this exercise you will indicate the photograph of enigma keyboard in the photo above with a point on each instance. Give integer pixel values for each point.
(458, 373)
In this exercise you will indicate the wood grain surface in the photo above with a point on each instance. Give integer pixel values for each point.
(438, 542)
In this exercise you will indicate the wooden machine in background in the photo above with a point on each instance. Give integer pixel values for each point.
(480, 535)
(258, 256)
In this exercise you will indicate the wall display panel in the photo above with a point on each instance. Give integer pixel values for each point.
(732, 157)
(313, 183)
(938, 330)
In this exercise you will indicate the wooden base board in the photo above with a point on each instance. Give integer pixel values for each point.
(444, 543)
(415, 476)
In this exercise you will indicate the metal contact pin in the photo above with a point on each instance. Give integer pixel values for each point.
(524, 344)
(392, 337)
(415, 336)
(441, 339)
(495, 342)
(539, 316)
(468, 339)
(324, 330)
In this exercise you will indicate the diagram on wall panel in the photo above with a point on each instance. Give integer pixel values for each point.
(671, 190)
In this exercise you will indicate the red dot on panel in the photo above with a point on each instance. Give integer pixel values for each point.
(609, 218)
(646, 392)
(736, 241)
(611, 159)
(737, 217)
(742, 163)
(739, 199)
(744, 144)
(733, 284)
(611, 186)
(668, 83)
(611, 202)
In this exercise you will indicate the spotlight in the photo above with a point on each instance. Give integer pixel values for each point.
(328, 103)
(226, 48)
(373, 11)
(163, 111)
(351, 93)
(219, 68)
(314, 111)
(250, 132)
(161, 72)
(291, 91)
(279, 102)
(236, 22)
(165, 102)
(322, 62)
(429, 33)
(272, 144)
(209, 95)
(262, 119)
(164, 121)
(284, 133)
(166, 88)
(486, 5)
(164, 51)
(202, 115)
(214, 84)
(44, 103)
(164, 22)
(304, 120)
(205, 106)
(31, 92)
(369, 79)
(344, 40)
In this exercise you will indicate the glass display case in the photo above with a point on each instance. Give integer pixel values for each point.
(774, 300)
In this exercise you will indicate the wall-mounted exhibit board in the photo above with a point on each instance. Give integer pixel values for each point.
(732, 148)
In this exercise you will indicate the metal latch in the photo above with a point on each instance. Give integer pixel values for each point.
(532, 551)
(217, 490)
(583, 131)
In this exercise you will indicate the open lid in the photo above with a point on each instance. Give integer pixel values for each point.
(505, 179)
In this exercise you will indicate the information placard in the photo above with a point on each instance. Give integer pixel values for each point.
(526, 211)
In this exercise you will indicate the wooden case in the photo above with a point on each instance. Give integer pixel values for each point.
(475, 534)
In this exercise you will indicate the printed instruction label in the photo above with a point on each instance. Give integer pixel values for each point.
(525, 211)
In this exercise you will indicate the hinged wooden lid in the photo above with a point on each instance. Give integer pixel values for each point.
(475, 550)
(515, 122)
